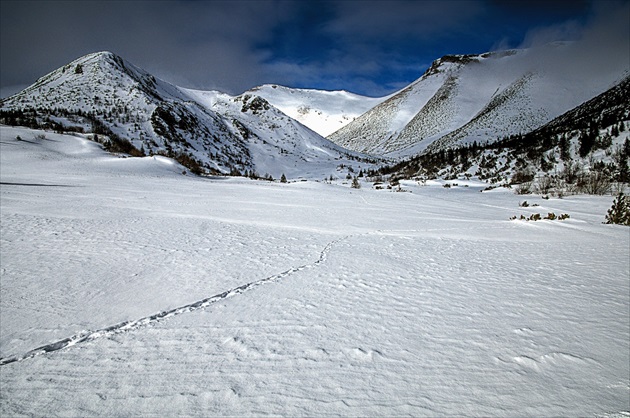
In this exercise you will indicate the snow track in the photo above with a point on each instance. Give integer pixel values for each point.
(125, 326)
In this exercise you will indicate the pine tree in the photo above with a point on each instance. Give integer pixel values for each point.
(614, 131)
(619, 213)
(355, 183)
(565, 148)
(587, 140)
(283, 178)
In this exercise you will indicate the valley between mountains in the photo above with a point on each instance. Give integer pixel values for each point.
(445, 250)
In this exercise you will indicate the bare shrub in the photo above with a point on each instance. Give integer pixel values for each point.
(571, 172)
(594, 182)
(545, 184)
(524, 188)
(525, 175)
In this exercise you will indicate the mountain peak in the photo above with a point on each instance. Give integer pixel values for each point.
(465, 98)
(131, 111)
(324, 111)
(448, 61)
(99, 55)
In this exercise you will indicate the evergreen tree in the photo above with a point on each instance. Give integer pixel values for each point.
(587, 140)
(614, 131)
(565, 148)
(619, 213)
(283, 178)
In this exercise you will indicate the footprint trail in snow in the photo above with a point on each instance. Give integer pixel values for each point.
(86, 336)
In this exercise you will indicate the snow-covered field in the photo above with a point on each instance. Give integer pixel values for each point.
(152, 293)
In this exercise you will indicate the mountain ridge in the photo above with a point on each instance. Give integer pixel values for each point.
(458, 101)
(105, 94)
(461, 99)
(324, 111)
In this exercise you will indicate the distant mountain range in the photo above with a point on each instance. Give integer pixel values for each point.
(466, 98)
(322, 111)
(139, 114)
(272, 129)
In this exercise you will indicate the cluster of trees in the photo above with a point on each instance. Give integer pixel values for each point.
(521, 158)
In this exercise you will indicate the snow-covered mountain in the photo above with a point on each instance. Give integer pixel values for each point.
(465, 98)
(323, 111)
(105, 94)
(608, 108)
(273, 129)
(584, 150)
(277, 143)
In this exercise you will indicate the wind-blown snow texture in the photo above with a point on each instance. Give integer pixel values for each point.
(225, 296)
(466, 98)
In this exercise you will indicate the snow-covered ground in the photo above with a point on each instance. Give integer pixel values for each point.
(152, 293)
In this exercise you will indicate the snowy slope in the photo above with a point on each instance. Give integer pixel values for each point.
(271, 136)
(103, 91)
(467, 98)
(322, 111)
(147, 293)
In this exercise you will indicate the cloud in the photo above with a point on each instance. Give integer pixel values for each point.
(197, 44)
(606, 23)
(529, 8)
(599, 48)
(565, 31)
(394, 20)
(370, 47)
(230, 45)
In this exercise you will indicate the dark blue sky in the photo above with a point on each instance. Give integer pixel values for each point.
(368, 47)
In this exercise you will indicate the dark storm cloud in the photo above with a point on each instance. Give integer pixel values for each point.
(197, 44)
(396, 19)
(370, 47)
(554, 8)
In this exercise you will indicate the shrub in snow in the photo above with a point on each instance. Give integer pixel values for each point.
(524, 188)
(595, 182)
(522, 176)
(537, 217)
(545, 184)
(619, 213)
